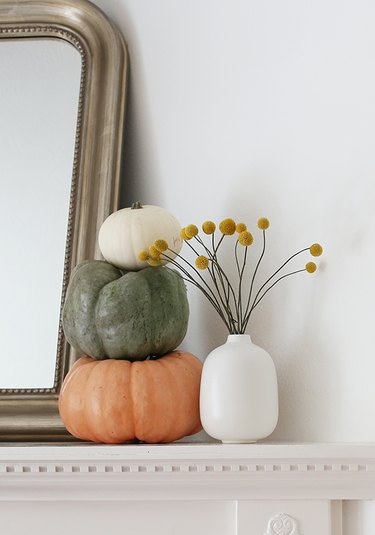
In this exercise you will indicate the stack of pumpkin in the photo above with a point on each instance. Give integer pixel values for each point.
(128, 319)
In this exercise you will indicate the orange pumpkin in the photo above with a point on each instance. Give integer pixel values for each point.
(114, 401)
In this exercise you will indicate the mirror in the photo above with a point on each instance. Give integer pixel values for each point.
(62, 98)
(39, 90)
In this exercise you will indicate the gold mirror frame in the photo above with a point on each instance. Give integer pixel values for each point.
(32, 414)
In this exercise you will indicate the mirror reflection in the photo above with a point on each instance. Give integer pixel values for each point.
(39, 95)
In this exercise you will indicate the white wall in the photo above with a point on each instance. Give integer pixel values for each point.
(250, 108)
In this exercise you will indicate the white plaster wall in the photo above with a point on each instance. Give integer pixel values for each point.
(249, 108)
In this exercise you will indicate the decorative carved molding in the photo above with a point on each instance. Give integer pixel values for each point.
(282, 524)
(180, 467)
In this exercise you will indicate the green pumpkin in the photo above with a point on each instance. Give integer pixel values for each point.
(110, 315)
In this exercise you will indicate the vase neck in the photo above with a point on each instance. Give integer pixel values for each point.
(238, 338)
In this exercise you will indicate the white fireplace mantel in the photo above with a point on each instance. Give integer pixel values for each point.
(183, 471)
(265, 483)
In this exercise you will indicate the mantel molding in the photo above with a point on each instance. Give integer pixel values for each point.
(188, 471)
(282, 524)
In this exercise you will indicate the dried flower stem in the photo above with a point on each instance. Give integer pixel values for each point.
(240, 279)
(256, 303)
(226, 286)
(173, 261)
(254, 275)
(248, 313)
(188, 278)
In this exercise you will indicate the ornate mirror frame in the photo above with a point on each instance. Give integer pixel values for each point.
(32, 414)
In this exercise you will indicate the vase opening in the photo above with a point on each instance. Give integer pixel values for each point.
(238, 337)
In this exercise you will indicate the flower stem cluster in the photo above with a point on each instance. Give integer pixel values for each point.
(233, 303)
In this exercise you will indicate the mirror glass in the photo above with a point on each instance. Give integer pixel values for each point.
(39, 96)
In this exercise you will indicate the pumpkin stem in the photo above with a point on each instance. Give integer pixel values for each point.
(136, 205)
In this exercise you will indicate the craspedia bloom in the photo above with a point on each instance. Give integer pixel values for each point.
(191, 231)
(316, 249)
(154, 262)
(201, 262)
(153, 252)
(311, 267)
(143, 255)
(245, 238)
(208, 227)
(183, 234)
(161, 245)
(227, 227)
(263, 223)
(241, 227)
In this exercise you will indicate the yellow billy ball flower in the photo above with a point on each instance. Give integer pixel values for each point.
(154, 252)
(241, 227)
(263, 223)
(201, 262)
(191, 231)
(183, 234)
(143, 255)
(245, 238)
(161, 245)
(311, 267)
(154, 262)
(208, 227)
(316, 249)
(227, 227)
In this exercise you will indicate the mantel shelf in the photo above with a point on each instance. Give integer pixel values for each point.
(188, 471)
(184, 451)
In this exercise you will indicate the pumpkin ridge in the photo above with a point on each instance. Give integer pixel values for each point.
(175, 399)
(78, 427)
(117, 400)
(196, 367)
(187, 362)
(151, 381)
(186, 369)
(132, 397)
(88, 399)
(129, 418)
(103, 402)
(121, 316)
(78, 314)
(154, 338)
(138, 377)
(155, 398)
(172, 309)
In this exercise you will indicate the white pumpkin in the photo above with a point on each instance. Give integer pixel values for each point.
(127, 232)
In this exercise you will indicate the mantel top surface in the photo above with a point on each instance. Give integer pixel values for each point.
(181, 451)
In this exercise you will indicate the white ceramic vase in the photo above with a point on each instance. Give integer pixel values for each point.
(239, 397)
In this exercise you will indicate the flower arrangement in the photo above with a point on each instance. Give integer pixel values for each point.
(233, 308)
